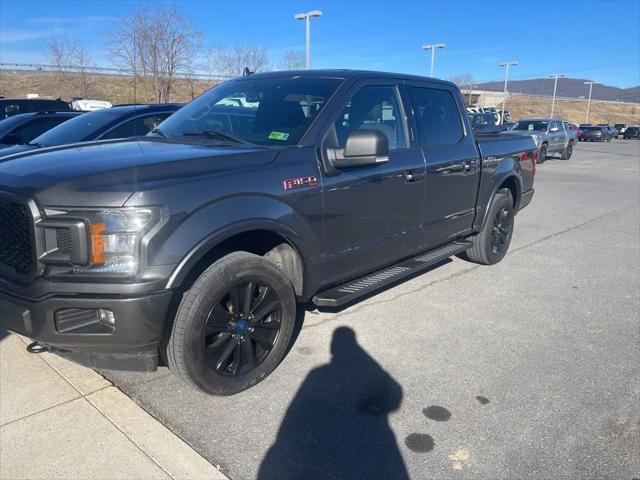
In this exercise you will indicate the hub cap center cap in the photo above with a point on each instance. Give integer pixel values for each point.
(242, 326)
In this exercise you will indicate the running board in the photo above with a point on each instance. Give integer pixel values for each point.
(350, 291)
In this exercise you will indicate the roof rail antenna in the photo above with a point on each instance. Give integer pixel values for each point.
(246, 72)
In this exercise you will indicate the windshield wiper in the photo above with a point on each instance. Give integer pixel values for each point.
(218, 134)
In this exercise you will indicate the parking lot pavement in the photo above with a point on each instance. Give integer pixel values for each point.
(527, 369)
(60, 420)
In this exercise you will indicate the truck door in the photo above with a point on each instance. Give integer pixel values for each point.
(557, 136)
(453, 162)
(372, 213)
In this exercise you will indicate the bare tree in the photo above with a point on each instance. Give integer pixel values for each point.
(156, 46)
(292, 60)
(461, 79)
(231, 62)
(71, 61)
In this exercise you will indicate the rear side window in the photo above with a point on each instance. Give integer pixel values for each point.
(437, 116)
(137, 126)
(36, 127)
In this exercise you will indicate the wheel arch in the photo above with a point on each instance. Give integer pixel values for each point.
(265, 238)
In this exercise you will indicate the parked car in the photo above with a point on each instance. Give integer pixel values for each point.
(200, 242)
(87, 105)
(549, 134)
(21, 129)
(621, 127)
(112, 123)
(572, 127)
(596, 134)
(485, 123)
(631, 132)
(16, 106)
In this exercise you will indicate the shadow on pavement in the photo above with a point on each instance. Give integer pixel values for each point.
(337, 425)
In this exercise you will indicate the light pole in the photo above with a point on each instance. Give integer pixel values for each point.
(307, 18)
(433, 47)
(506, 79)
(589, 101)
(555, 86)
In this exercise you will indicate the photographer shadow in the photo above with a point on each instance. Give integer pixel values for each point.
(337, 425)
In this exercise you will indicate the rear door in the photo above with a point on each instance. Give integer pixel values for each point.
(558, 138)
(452, 159)
(372, 213)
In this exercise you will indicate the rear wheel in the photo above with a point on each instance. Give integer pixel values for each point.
(491, 244)
(542, 154)
(568, 150)
(234, 325)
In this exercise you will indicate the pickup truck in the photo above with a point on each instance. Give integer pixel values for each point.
(550, 136)
(197, 244)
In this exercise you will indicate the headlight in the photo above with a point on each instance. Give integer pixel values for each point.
(114, 239)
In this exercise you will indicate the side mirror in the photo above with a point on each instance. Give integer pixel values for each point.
(554, 129)
(363, 147)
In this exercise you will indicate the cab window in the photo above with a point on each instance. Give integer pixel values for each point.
(375, 107)
(437, 116)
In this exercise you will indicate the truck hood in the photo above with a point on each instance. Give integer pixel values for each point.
(106, 174)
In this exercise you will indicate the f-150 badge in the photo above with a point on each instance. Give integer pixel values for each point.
(290, 183)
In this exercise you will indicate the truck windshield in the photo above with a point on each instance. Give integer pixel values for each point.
(78, 129)
(260, 111)
(531, 126)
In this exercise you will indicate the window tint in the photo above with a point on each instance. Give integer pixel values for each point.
(373, 108)
(264, 111)
(37, 126)
(137, 126)
(437, 116)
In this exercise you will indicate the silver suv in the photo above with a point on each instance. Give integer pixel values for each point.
(549, 134)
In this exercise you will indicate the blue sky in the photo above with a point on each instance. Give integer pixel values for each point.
(599, 40)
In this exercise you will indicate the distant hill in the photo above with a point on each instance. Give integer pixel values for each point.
(567, 87)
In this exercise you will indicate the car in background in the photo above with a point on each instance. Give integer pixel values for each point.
(87, 105)
(23, 128)
(484, 123)
(109, 123)
(549, 134)
(572, 127)
(621, 127)
(16, 106)
(631, 132)
(596, 133)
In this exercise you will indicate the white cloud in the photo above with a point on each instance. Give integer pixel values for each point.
(13, 36)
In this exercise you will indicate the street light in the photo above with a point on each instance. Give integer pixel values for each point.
(555, 86)
(433, 47)
(307, 18)
(589, 101)
(506, 79)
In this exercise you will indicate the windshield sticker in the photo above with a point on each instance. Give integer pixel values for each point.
(278, 136)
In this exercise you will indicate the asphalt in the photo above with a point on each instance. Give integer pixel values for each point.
(527, 369)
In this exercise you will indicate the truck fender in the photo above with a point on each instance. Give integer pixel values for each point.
(507, 174)
(202, 230)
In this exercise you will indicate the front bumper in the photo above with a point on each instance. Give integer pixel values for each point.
(132, 344)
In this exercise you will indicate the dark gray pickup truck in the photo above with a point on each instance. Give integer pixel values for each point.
(195, 245)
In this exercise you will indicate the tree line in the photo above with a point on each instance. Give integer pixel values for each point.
(156, 46)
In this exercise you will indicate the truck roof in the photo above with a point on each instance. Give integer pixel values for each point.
(343, 74)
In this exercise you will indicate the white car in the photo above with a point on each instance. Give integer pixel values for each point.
(89, 105)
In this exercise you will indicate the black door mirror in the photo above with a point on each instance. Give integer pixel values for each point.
(363, 147)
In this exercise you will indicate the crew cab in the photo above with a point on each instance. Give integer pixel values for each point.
(197, 244)
(550, 136)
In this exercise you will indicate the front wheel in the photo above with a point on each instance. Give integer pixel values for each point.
(542, 154)
(491, 244)
(233, 326)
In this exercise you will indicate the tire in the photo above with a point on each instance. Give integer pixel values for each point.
(491, 244)
(567, 152)
(234, 326)
(542, 154)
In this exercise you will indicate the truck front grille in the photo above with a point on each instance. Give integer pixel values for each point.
(16, 238)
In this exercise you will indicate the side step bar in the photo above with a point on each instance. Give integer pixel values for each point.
(350, 291)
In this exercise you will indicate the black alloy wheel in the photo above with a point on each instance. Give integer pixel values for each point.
(502, 225)
(242, 328)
